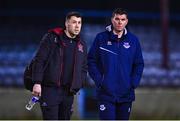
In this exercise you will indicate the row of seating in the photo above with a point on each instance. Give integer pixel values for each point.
(14, 58)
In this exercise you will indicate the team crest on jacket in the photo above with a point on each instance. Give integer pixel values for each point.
(102, 107)
(80, 48)
(126, 45)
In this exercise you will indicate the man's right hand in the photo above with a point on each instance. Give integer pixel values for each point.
(36, 90)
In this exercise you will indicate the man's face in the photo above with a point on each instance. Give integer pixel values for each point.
(119, 22)
(73, 25)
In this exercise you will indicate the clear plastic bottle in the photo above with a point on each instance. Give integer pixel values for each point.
(32, 102)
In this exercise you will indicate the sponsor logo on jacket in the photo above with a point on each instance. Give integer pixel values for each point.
(80, 48)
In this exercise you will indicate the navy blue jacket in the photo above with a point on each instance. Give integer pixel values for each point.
(115, 66)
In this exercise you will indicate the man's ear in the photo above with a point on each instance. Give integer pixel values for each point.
(111, 19)
(127, 22)
(66, 23)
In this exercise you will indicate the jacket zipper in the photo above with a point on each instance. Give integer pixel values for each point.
(75, 62)
(61, 65)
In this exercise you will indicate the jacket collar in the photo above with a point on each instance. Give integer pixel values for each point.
(60, 32)
(113, 36)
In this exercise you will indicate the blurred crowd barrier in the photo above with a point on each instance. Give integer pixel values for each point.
(150, 104)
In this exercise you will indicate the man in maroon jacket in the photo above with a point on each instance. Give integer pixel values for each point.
(66, 68)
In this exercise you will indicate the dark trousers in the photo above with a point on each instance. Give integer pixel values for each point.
(114, 111)
(58, 104)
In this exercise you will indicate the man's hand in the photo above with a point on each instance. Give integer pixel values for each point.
(36, 90)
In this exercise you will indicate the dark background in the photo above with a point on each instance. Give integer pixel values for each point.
(24, 15)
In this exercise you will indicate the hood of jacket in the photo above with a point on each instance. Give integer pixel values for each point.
(112, 35)
(60, 31)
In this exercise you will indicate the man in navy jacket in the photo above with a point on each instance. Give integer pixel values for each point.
(115, 63)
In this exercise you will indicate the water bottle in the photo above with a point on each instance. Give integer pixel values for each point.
(32, 102)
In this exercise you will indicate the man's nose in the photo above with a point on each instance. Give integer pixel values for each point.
(119, 22)
(77, 25)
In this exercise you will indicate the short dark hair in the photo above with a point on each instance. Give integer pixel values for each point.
(119, 11)
(73, 13)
